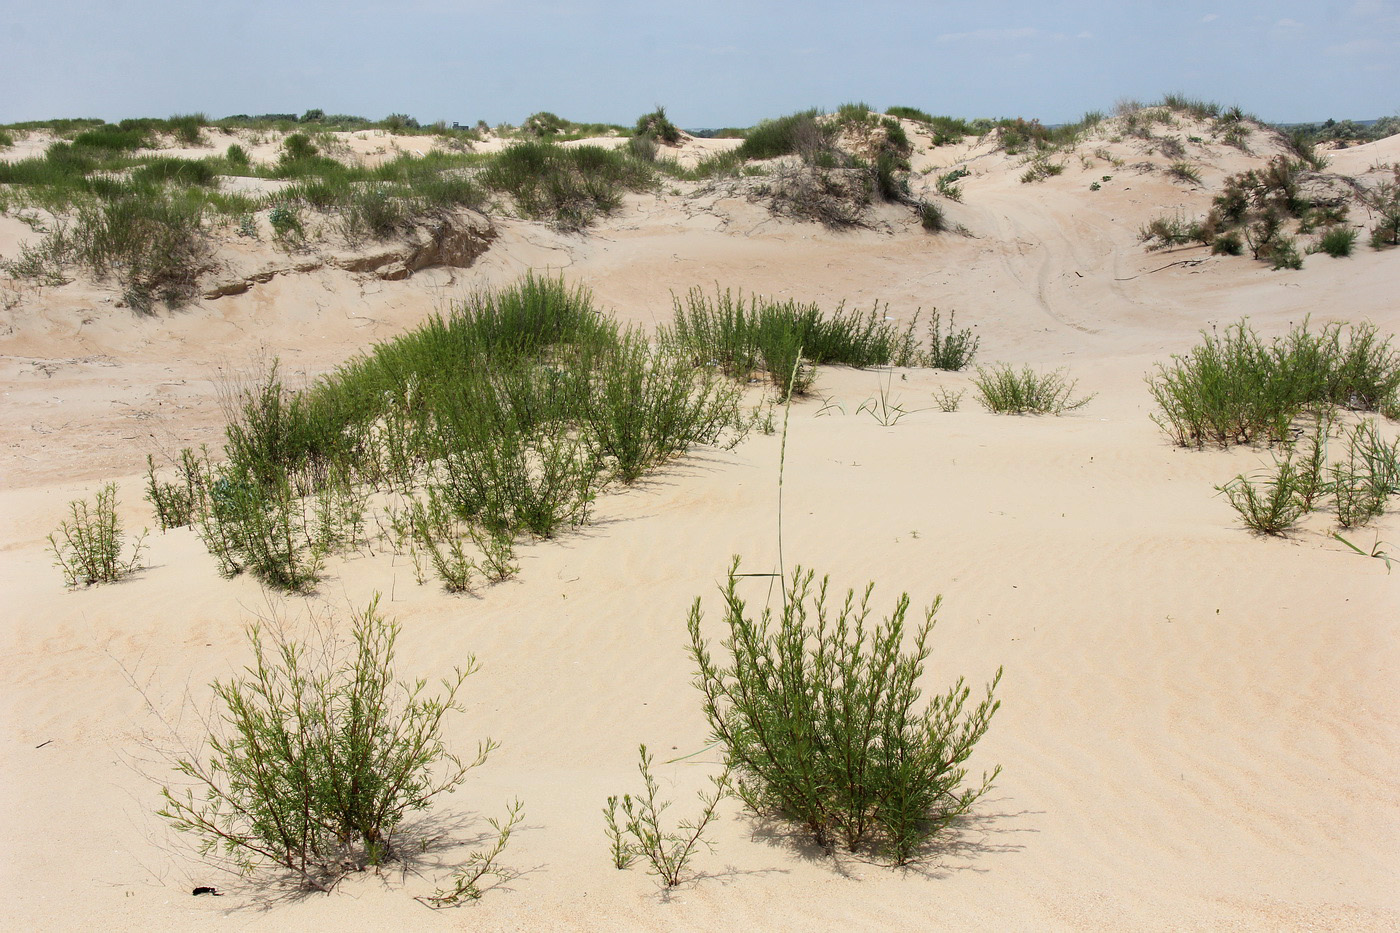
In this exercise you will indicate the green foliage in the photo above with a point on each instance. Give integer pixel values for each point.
(657, 126)
(1337, 242)
(642, 831)
(1235, 388)
(567, 187)
(909, 113)
(952, 349)
(1040, 168)
(87, 547)
(1004, 390)
(6, 139)
(947, 183)
(1384, 203)
(1270, 507)
(758, 335)
(1170, 232)
(505, 417)
(799, 133)
(931, 217)
(1184, 171)
(153, 244)
(816, 713)
(317, 758)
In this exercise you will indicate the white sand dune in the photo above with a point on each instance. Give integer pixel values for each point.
(1199, 730)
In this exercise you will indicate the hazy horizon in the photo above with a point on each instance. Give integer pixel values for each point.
(732, 65)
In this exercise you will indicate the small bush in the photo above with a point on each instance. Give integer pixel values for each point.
(317, 758)
(931, 217)
(1272, 506)
(1004, 390)
(1170, 232)
(816, 713)
(642, 832)
(657, 126)
(952, 349)
(947, 183)
(568, 187)
(798, 133)
(1040, 169)
(88, 544)
(1185, 172)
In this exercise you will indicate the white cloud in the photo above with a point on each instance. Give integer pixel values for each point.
(1288, 24)
(1210, 17)
(1085, 35)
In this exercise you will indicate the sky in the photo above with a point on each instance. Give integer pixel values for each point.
(724, 63)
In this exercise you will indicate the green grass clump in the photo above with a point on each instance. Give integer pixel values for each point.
(1184, 172)
(152, 244)
(817, 712)
(1171, 232)
(1003, 390)
(1235, 388)
(505, 417)
(799, 133)
(6, 139)
(910, 113)
(1039, 169)
(1337, 242)
(87, 547)
(567, 187)
(783, 340)
(657, 126)
(642, 833)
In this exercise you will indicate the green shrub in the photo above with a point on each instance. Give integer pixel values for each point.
(1385, 205)
(951, 350)
(657, 126)
(1170, 232)
(909, 113)
(1234, 389)
(947, 183)
(1366, 477)
(816, 714)
(1184, 171)
(1272, 506)
(1004, 390)
(568, 187)
(798, 133)
(317, 758)
(87, 547)
(931, 217)
(6, 139)
(1040, 169)
(114, 138)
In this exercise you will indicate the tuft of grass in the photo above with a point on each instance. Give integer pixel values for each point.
(798, 133)
(744, 337)
(1337, 242)
(1184, 172)
(1003, 390)
(1235, 388)
(567, 187)
(1171, 232)
(1040, 168)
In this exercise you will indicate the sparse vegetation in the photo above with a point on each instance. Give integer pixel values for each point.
(568, 187)
(1337, 242)
(1003, 390)
(642, 831)
(1235, 388)
(816, 711)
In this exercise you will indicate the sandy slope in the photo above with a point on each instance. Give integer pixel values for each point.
(1199, 728)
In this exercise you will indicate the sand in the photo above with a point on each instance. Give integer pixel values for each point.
(1199, 729)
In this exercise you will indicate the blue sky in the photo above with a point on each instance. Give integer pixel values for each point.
(730, 63)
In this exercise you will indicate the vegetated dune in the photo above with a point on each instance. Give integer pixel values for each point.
(1199, 728)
